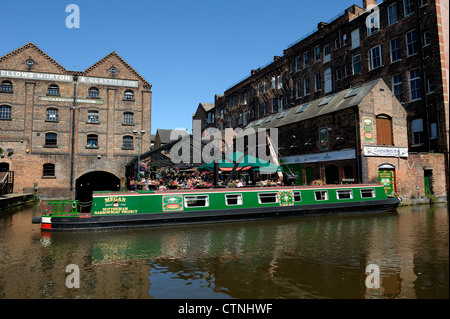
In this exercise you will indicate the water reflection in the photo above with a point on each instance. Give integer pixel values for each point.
(291, 258)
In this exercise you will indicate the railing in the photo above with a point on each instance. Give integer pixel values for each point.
(59, 208)
(6, 182)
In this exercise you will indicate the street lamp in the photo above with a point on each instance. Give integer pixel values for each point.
(139, 137)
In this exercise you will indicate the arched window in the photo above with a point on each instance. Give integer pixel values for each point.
(384, 130)
(51, 139)
(128, 95)
(52, 115)
(53, 89)
(128, 118)
(92, 141)
(6, 87)
(127, 142)
(92, 116)
(93, 92)
(5, 112)
(48, 169)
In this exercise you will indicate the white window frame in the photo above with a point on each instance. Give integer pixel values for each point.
(408, 4)
(417, 127)
(323, 195)
(306, 59)
(307, 87)
(391, 50)
(326, 53)
(372, 59)
(187, 197)
(267, 195)
(239, 199)
(355, 39)
(417, 83)
(355, 63)
(396, 85)
(391, 14)
(298, 64)
(316, 53)
(348, 191)
(372, 192)
(298, 89)
(318, 82)
(412, 45)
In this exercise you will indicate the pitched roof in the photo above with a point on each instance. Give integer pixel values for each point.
(147, 85)
(29, 45)
(324, 105)
(207, 106)
(33, 46)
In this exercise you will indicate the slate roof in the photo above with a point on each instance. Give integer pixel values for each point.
(324, 105)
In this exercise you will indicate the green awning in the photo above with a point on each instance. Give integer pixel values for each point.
(255, 163)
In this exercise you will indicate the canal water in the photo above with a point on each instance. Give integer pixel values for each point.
(312, 258)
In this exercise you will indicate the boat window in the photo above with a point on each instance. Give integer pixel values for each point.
(297, 197)
(265, 198)
(233, 199)
(321, 195)
(368, 193)
(196, 201)
(344, 194)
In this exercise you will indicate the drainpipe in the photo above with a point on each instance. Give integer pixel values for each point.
(357, 147)
(72, 154)
(422, 66)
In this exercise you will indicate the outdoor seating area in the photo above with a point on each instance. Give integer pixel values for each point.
(250, 171)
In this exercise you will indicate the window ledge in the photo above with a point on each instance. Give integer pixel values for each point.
(50, 146)
(7, 92)
(48, 177)
(92, 122)
(92, 147)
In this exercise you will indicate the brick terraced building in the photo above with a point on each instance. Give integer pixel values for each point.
(55, 153)
(402, 42)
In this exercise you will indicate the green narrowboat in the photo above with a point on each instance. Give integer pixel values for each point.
(111, 210)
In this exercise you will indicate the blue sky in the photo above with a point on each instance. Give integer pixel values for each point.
(188, 50)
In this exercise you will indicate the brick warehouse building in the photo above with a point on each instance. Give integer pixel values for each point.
(50, 150)
(408, 50)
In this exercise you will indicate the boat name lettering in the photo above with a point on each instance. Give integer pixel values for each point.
(115, 199)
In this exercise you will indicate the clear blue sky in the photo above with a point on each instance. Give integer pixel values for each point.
(188, 50)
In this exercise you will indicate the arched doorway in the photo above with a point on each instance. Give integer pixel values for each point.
(94, 181)
(332, 174)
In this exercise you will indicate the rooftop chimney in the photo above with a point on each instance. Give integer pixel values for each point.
(320, 25)
(368, 4)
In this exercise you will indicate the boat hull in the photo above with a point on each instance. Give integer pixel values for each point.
(220, 215)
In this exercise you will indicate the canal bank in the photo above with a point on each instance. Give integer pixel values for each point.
(10, 200)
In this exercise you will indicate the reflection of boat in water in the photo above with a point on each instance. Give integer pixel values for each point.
(150, 208)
